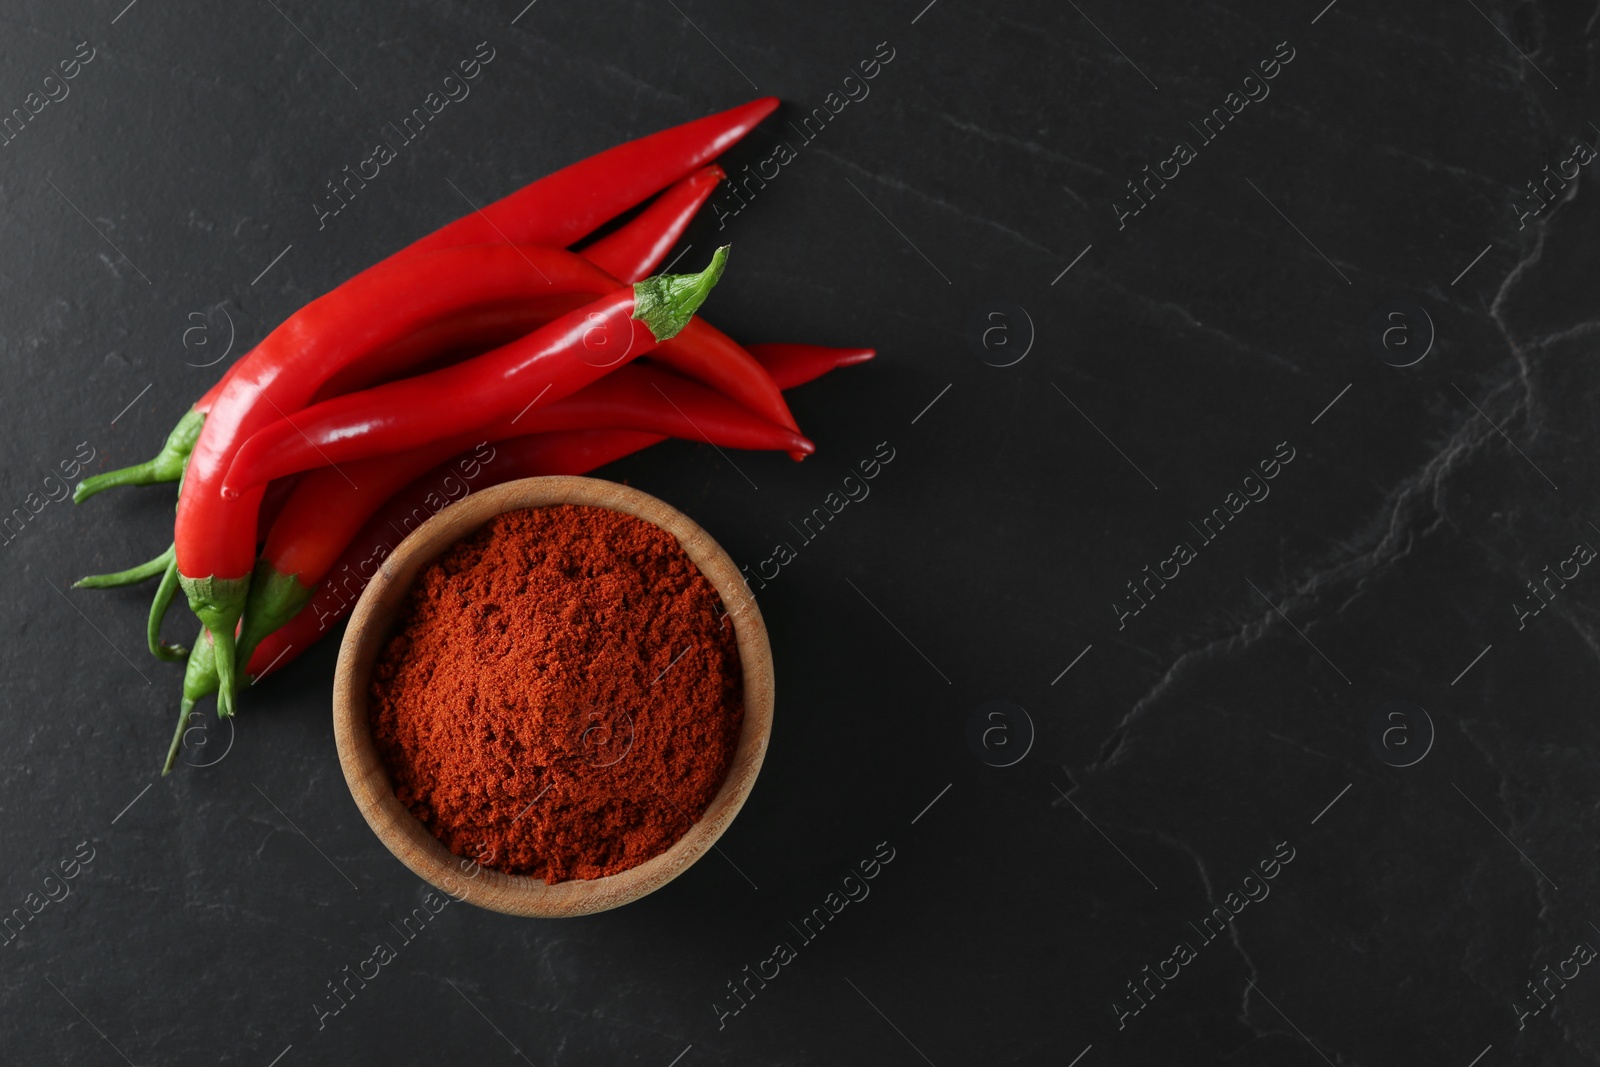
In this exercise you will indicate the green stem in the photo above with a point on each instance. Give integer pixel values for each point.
(219, 602)
(131, 576)
(184, 707)
(667, 302)
(167, 466)
(199, 678)
(158, 611)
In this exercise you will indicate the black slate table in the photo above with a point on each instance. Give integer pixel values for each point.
(1213, 660)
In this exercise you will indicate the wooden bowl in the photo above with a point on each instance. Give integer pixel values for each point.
(373, 621)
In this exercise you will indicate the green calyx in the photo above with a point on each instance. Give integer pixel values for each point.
(167, 466)
(158, 611)
(131, 576)
(275, 598)
(667, 302)
(218, 603)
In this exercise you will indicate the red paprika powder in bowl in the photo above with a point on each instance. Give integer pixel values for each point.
(553, 697)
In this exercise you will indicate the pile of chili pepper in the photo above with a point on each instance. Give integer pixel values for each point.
(297, 467)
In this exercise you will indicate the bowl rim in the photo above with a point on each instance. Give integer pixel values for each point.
(372, 622)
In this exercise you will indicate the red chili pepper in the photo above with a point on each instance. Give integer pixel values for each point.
(534, 455)
(329, 505)
(553, 211)
(701, 351)
(561, 207)
(627, 254)
(635, 250)
(352, 326)
(552, 362)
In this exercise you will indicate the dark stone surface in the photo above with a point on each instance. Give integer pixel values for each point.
(1180, 749)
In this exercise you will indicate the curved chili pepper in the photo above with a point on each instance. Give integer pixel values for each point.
(701, 351)
(330, 504)
(563, 206)
(628, 254)
(634, 250)
(569, 452)
(552, 362)
(351, 326)
(554, 211)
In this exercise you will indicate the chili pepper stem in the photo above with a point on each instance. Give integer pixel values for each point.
(275, 598)
(158, 611)
(666, 302)
(219, 602)
(184, 707)
(131, 576)
(199, 679)
(167, 466)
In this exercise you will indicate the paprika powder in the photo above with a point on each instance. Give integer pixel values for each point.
(562, 695)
